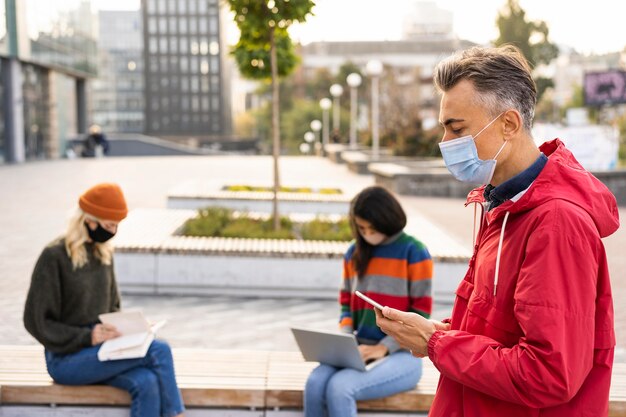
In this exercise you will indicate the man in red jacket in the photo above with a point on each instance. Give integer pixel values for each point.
(531, 332)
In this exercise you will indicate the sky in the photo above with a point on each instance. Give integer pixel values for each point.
(589, 29)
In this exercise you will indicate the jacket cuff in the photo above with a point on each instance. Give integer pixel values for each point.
(85, 338)
(432, 342)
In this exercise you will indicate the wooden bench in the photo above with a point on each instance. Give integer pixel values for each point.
(253, 380)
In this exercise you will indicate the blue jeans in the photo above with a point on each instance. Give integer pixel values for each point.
(149, 380)
(333, 392)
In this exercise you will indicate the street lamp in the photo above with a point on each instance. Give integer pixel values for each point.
(374, 68)
(309, 137)
(336, 90)
(305, 148)
(325, 104)
(354, 81)
(316, 126)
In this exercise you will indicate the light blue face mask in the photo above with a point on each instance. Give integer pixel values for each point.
(461, 158)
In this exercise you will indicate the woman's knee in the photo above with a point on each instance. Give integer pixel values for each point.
(342, 384)
(140, 383)
(160, 351)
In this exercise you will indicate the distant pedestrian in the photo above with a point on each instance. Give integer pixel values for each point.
(96, 143)
(393, 268)
(74, 282)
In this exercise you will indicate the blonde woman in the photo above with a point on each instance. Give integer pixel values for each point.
(72, 283)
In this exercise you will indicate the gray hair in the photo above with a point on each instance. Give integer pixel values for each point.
(501, 75)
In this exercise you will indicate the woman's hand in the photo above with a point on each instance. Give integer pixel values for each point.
(103, 332)
(372, 352)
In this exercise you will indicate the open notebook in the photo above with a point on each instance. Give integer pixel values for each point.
(137, 335)
(337, 349)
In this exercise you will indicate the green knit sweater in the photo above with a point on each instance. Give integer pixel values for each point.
(64, 302)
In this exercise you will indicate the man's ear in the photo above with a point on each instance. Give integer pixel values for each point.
(512, 124)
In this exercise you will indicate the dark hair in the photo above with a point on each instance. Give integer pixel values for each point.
(501, 75)
(380, 208)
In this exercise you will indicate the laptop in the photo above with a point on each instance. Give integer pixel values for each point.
(336, 349)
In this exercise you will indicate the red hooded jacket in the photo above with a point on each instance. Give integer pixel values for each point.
(532, 325)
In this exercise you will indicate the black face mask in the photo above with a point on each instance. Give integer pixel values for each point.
(99, 235)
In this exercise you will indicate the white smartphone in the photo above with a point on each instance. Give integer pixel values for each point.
(369, 300)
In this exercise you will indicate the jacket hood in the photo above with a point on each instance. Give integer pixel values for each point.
(563, 178)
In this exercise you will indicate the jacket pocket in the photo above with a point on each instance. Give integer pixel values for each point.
(483, 318)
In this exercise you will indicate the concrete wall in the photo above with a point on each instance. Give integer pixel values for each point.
(201, 274)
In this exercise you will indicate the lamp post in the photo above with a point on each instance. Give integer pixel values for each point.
(325, 104)
(336, 90)
(354, 81)
(316, 126)
(305, 148)
(374, 68)
(309, 138)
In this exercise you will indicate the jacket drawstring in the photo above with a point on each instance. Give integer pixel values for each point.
(495, 280)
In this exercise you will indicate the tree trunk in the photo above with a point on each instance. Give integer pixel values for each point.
(275, 128)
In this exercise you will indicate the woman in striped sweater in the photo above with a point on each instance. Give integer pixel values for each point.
(394, 269)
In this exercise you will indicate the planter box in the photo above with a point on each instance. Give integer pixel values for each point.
(151, 259)
(193, 195)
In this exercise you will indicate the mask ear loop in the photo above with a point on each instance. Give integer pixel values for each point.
(488, 124)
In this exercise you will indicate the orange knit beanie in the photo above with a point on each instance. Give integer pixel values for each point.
(104, 201)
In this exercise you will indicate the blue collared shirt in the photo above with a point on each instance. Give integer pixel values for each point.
(514, 185)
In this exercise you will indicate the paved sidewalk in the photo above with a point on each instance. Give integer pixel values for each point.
(38, 197)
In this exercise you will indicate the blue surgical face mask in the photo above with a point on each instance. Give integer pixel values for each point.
(461, 158)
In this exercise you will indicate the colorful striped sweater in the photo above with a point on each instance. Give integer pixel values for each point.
(399, 275)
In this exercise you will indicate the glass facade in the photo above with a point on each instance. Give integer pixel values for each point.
(118, 95)
(35, 93)
(2, 134)
(4, 38)
(59, 34)
(48, 50)
(183, 71)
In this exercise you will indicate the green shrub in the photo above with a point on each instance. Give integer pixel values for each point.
(209, 222)
(220, 222)
(245, 227)
(326, 230)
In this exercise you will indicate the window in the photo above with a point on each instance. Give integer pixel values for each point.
(162, 6)
(213, 25)
(173, 45)
(194, 84)
(184, 64)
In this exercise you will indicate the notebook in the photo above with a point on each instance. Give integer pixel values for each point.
(137, 335)
(336, 349)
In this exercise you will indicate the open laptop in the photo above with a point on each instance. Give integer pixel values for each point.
(336, 349)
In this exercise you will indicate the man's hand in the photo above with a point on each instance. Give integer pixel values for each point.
(372, 352)
(410, 330)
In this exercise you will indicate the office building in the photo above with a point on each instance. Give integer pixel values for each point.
(47, 54)
(186, 92)
(117, 93)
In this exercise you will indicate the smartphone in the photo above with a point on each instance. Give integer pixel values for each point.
(369, 300)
